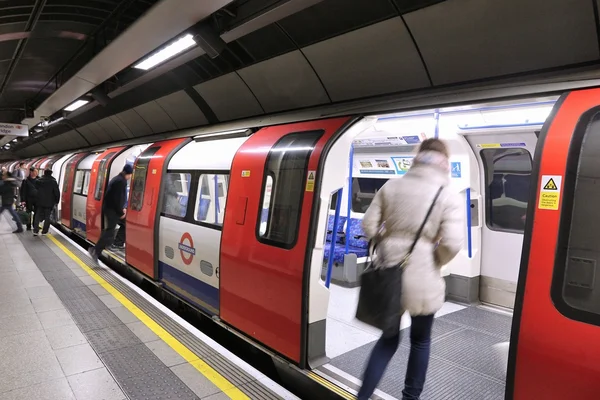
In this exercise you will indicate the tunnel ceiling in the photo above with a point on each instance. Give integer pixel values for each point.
(44, 42)
(331, 52)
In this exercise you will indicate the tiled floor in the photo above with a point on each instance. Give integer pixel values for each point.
(63, 336)
(44, 355)
(346, 333)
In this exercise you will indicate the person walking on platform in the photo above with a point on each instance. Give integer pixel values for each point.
(113, 208)
(420, 217)
(48, 196)
(7, 193)
(29, 195)
(20, 175)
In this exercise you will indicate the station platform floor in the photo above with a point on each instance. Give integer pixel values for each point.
(74, 331)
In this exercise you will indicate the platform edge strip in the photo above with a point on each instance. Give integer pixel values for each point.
(206, 370)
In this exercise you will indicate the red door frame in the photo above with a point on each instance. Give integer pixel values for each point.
(551, 355)
(142, 226)
(93, 207)
(66, 198)
(263, 287)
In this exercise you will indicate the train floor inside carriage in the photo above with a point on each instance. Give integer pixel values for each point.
(469, 350)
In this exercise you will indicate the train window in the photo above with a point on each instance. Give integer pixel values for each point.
(286, 170)
(102, 173)
(139, 178)
(86, 183)
(79, 175)
(364, 191)
(177, 193)
(575, 287)
(507, 179)
(211, 198)
(264, 213)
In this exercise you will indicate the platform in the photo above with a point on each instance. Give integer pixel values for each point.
(71, 330)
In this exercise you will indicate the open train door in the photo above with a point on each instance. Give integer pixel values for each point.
(266, 233)
(555, 340)
(504, 160)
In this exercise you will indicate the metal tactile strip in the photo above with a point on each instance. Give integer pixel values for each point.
(226, 368)
(122, 352)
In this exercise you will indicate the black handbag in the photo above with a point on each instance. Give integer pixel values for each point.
(379, 301)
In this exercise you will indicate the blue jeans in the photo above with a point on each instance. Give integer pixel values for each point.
(14, 215)
(418, 360)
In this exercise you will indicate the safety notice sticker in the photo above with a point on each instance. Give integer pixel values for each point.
(310, 181)
(550, 192)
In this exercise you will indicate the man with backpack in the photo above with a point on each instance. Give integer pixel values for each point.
(48, 196)
(29, 195)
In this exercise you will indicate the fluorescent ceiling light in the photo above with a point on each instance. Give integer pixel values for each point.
(14, 140)
(169, 51)
(74, 106)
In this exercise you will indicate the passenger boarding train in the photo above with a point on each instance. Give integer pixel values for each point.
(242, 224)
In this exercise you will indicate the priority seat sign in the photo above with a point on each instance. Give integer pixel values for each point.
(550, 192)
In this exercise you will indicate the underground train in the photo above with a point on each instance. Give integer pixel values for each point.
(258, 225)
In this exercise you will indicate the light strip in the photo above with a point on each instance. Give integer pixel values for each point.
(75, 105)
(224, 133)
(170, 51)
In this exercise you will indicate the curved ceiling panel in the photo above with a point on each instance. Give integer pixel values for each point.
(285, 82)
(136, 124)
(112, 129)
(463, 40)
(90, 135)
(378, 59)
(122, 126)
(155, 117)
(100, 132)
(229, 97)
(182, 110)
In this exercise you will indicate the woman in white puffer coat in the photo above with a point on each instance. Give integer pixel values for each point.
(393, 220)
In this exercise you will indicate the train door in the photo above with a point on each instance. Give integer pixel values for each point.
(505, 162)
(191, 220)
(266, 234)
(142, 213)
(81, 187)
(98, 182)
(554, 349)
(67, 178)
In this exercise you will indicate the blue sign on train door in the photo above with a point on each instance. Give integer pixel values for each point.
(455, 168)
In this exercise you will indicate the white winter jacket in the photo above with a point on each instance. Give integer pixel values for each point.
(401, 206)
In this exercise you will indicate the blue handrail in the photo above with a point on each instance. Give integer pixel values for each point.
(217, 209)
(334, 232)
(351, 165)
(469, 243)
(436, 132)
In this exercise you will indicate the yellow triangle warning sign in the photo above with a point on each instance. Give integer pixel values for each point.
(311, 176)
(550, 185)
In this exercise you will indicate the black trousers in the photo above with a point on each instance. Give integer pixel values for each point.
(42, 214)
(31, 210)
(111, 219)
(120, 238)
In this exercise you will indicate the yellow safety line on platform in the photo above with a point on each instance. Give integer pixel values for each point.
(217, 379)
(331, 386)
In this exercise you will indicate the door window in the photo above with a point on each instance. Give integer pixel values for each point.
(102, 173)
(283, 189)
(140, 174)
(211, 198)
(575, 286)
(79, 175)
(507, 179)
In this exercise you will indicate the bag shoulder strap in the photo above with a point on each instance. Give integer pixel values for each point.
(418, 235)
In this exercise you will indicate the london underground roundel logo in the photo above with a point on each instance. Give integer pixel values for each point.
(186, 248)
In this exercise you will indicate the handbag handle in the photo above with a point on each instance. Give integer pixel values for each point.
(373, 243)
(418, 235)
